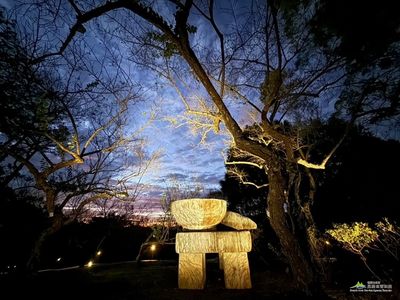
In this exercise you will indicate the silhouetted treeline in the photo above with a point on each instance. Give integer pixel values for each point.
(21, 221)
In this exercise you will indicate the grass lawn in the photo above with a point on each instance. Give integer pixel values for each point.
(146, 281)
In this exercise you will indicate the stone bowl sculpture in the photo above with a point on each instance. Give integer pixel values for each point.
(198, 214)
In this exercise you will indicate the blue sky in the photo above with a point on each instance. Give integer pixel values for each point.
(182, 155)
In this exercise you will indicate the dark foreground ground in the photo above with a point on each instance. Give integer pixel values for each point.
(149, 281)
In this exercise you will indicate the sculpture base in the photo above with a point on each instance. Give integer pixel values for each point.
(232, 248)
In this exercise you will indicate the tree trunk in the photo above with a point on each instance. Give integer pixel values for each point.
(301, 268)
(34, 260)
(315, 245)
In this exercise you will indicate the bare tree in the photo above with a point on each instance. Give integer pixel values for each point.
(242, 64)
(80, 171)
(68, 135)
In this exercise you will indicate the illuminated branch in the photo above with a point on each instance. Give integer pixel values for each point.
(243, 163)
(72, 119)
(205, 120)
(75, 155)
(322, 165)
(61, 165)
(307, 164)
(255, 185)
(111, 121)
(241, 176)
(205, 110)
(205, 113)
(200, 118)
(78, 157)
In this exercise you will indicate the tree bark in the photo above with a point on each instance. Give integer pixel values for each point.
(301, 268)
(315, 245)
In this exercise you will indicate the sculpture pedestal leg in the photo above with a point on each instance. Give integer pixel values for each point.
(236, 270)
(192, 270)
(221, 261)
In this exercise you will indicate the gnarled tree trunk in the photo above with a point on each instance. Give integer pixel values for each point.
(301, 267)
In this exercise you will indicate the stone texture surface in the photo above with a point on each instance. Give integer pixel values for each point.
(213, 242)
(197, 214)
(236, 270)
(232, 247)
(192, 271)
(238, 222)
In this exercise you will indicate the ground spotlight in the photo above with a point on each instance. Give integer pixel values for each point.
(90, 264)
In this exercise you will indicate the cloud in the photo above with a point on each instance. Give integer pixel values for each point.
(175, 176)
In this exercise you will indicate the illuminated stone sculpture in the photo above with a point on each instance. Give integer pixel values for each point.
(192, 246)
(197, 214)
